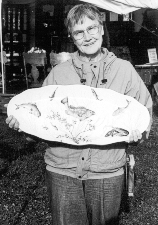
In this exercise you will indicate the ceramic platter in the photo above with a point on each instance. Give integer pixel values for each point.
(78, 114)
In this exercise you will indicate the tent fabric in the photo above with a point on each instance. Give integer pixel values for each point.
(124, 6)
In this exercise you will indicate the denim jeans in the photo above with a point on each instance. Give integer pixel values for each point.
(88, 202)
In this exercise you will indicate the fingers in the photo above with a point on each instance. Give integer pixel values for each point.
(5, 105)
(8, 120)
(12, 122)
(135, 136)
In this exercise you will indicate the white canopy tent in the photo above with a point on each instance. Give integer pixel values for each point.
(116, 6)
(124, 6)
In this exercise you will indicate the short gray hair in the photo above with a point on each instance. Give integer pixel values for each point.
(79, 12)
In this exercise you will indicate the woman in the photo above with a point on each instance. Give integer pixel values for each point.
(85, 183)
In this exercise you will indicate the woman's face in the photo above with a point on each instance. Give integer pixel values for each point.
(89, 44)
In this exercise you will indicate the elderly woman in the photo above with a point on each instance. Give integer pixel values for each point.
(85, 183)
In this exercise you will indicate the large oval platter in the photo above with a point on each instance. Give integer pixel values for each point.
(78, 114)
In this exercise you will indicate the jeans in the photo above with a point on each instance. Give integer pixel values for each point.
(88, 202)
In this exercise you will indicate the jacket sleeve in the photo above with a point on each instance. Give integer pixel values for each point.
(137, 89)
(49, 80)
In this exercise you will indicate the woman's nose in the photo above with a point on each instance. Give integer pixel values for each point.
(87, 36)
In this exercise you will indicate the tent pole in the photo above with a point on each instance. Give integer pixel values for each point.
(1, 49)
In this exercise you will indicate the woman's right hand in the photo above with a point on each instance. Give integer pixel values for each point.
(13, 123)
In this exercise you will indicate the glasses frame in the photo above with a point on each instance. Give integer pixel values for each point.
(87, 30)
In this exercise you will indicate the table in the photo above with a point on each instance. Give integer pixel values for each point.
(146, 72)
(35, 59)
(149, 74)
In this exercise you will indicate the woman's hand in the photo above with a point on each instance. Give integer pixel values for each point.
(13, 123)
(135, 136)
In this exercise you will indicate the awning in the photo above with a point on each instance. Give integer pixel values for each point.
(124, 6)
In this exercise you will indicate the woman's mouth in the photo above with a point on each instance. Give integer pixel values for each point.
(89, 44)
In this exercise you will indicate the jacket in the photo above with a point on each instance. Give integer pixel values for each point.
(94, 162)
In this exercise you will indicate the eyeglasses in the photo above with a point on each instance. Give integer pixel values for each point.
(79, 34)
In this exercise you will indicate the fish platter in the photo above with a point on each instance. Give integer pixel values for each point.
(78, 114)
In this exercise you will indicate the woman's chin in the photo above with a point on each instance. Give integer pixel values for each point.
(91, 51)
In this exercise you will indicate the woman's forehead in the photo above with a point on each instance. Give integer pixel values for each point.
(84, 23)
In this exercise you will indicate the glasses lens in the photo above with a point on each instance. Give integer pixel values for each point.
(93, 30)
(78, 35)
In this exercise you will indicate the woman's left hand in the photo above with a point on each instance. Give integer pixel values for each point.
(135, 136)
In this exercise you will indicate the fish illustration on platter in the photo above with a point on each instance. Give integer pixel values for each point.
(95, 95)
(31, 108)
(121, 109)
(53, 95)
(117, 132)
(78, 112)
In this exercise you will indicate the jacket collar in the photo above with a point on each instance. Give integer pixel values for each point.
(107, 58)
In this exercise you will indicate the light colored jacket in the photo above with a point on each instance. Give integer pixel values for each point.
(94, 162)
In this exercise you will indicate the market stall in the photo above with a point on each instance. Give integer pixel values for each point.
(116, 6)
